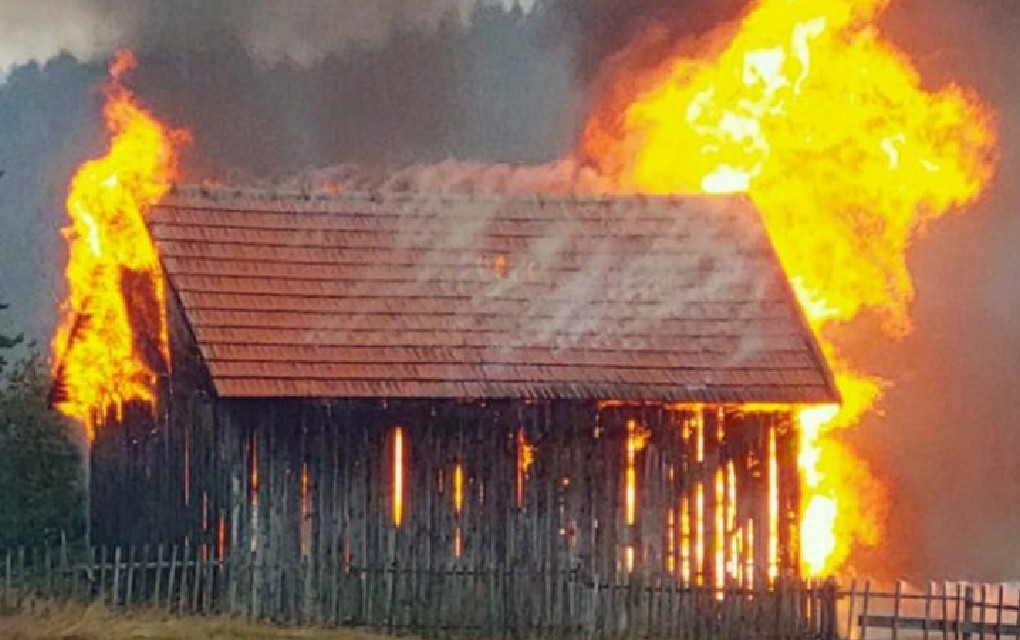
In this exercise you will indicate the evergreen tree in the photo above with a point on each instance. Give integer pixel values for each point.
(40, 465)
(7, 342)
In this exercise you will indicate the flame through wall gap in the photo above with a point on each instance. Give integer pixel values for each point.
(107, 353)
(825, 124)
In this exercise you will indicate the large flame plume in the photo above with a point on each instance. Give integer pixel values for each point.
(112, 340)
(826, 125)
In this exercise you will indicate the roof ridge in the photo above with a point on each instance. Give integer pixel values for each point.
(274, 194)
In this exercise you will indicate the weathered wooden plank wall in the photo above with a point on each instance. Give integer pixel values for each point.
(296, 500)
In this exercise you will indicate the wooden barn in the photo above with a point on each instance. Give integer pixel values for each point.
(397, 385)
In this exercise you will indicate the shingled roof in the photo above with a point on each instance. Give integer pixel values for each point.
(415, 296)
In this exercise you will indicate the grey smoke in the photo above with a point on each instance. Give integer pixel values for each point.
(274, 30)
(40, 31)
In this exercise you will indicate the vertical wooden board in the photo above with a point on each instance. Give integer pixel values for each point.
(8, 581)
(182, 595)
(129, 587)
(982, 615)
(196, 581)
(143, 584)
(850, 609)
(210, 600)
(171, 579)
(1016, 614)
(334, 531)
(115, 598)
(102, 570)
(864, 622)
(260, 566)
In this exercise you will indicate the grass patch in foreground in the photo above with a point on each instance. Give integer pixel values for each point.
(76, 622)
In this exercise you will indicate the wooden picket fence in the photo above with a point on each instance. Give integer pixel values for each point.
(939, 611)
(440, 602)
(178, 579)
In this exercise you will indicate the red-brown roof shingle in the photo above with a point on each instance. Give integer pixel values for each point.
(671, 299)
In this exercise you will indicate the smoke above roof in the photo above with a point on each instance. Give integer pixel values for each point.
(273, 30)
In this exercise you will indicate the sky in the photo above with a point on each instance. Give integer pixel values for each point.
(271, 89)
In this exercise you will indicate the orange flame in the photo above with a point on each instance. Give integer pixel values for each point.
(825, 124)
(525, 458)
(637, 439)
(458, 488)
(111, 344)
(398, 477)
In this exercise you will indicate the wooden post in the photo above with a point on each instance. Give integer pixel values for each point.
(48, 561)
(864, 610)
(102, 574)
(850, 610)
(968, 610)
(196, 588)
(115, 598)
(171, 579)
(1018, 616)
(143, 576)
(957, 613)
(897, 599)
(209, 593)
(65, 569)
(7, 581)
(159, 575)
(829, 617)
(998, 614)
(183, 594)
(945, 611)
(984, 603)
(130, 576)
(928, 594)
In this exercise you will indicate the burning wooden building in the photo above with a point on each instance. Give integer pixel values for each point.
(602, 385)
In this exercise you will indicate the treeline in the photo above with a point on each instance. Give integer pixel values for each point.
(40, 460)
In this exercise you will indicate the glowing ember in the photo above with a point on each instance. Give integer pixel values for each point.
(637, 439)
(106, 353)
(685, 540)
(720, 545)
(671, 540)
(458, 488)
(826, 126)
(773, 507)
(699, 532)
(525, 458)
(398, 477)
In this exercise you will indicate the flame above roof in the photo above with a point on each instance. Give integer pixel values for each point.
(438, 296)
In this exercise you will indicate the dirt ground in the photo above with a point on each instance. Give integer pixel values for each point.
(59, 622)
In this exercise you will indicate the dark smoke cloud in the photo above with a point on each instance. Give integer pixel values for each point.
(496, 89)
(606, 28)
(303, 32)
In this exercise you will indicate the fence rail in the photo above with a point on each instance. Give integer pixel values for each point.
(454, 600)
(461, 599)
(936, 612)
